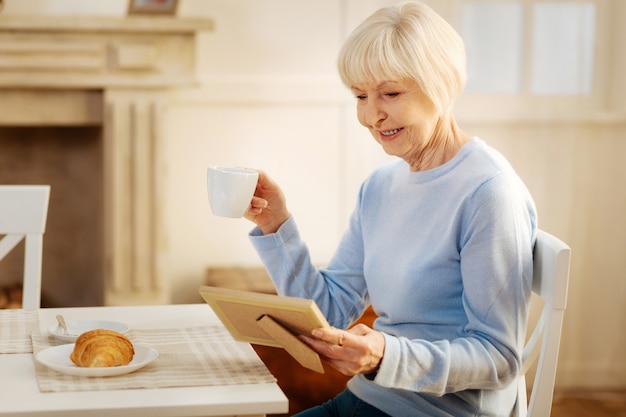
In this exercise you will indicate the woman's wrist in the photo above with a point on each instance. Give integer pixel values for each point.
(274, 226)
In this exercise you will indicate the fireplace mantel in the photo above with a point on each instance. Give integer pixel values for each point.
(80, 52)
(117, 73)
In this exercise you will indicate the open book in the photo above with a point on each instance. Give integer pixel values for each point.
(269, 320)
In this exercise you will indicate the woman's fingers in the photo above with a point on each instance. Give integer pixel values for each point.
(358, 350)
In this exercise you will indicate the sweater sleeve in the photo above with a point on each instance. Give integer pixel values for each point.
(341, 294)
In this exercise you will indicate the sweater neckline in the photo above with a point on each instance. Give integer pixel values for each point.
(438, 172)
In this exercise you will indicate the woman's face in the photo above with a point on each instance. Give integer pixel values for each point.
(399, 115)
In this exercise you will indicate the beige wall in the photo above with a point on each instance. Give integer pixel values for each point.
(270, 99)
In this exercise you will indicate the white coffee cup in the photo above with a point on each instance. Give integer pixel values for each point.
(230, 190)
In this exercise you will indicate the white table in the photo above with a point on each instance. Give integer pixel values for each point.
(20, 395)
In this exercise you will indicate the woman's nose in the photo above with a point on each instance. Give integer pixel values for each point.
(374, 113)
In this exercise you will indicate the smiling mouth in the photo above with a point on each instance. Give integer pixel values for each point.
(389, 132)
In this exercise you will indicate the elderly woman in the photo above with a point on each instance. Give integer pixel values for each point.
(439, 244)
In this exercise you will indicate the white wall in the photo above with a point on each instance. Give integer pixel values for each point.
(270, 99)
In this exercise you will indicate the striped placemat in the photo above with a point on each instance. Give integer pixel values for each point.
(195, 356)
(16, 327)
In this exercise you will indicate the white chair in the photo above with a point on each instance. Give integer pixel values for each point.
(23, 214)
(550, 280)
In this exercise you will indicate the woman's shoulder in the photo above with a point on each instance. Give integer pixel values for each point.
(487, 156)
(494, 177)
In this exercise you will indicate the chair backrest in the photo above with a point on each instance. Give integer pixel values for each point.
(550, 281)
(23, 214)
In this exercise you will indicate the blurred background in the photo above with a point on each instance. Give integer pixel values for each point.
(546, 88)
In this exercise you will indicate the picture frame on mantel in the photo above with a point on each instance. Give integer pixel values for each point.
(152, 7)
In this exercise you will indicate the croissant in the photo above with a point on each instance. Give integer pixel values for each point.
(102, 348)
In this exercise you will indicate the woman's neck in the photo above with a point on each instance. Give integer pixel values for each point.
(446, 141)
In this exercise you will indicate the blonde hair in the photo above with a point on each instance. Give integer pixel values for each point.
(408, 41)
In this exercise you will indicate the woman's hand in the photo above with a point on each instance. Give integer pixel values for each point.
(268, 208)
(358, 350)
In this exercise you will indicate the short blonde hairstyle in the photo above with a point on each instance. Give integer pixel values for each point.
(407, 41)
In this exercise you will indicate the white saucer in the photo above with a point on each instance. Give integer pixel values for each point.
(76, 328)
(58, 359)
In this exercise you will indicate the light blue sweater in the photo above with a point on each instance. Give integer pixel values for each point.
(444, 257)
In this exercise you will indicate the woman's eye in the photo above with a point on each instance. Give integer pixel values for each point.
(361, 97)
(392, 94)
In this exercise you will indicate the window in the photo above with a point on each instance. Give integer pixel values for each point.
(493, 35)
(562, 48)
(530, 47)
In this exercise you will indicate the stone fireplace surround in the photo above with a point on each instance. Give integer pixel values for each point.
(112, 75)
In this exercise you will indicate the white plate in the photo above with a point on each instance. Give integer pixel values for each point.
(58, 358)
(76, 328)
